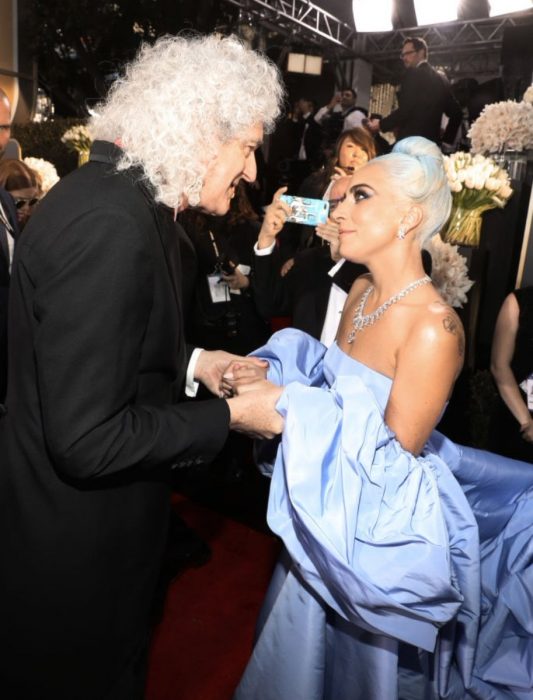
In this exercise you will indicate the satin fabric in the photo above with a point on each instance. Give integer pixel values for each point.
(386, 553)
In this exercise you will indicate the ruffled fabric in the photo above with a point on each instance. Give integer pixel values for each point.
(383, 547)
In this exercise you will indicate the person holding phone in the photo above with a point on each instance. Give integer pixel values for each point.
(313, 285)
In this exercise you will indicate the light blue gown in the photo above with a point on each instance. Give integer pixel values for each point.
(428, 560)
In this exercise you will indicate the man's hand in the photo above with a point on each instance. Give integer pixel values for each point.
(212, 364)
(275, 217)
(254, 413)
(335, 100)
(373, 125)
(237, 280)
(242, 376)
(286, 267)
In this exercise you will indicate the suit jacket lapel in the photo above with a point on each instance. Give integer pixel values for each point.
(4, 223)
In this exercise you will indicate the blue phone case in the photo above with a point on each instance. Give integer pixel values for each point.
(305, 210)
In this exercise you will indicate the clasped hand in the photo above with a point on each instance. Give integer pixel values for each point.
(242, 381)
(241, 377)
(252, 399)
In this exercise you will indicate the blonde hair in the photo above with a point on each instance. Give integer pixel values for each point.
(179, 100)
(416, 166)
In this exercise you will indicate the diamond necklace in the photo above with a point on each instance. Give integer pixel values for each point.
(361, 320)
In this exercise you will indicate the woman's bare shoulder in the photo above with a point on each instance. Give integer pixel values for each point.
(439, 327)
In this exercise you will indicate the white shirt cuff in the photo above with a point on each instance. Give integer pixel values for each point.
(264, 251)
(191, 386)
(336, 267)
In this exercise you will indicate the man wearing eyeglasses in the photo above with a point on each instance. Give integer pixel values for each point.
(424, 96)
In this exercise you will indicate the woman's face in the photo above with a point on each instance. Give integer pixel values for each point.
(25, 200)
(369, 215)
(351, 155)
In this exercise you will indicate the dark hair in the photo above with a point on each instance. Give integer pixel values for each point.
(361, 137)
(241, 209)
(418, 43)
(358, 135)
(307, 99)
(16, 175)
(349, 88)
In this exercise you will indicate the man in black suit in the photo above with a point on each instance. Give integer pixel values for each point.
(424, 96)
(94, 418)
(8, 234)
(308, 133)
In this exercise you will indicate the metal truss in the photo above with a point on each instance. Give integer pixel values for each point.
(479, 34)
(316, 25)
(464, 48)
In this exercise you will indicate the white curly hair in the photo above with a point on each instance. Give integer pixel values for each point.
(179, 100)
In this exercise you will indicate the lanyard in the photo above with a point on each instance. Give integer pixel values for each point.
(214, 244)
(5, 221)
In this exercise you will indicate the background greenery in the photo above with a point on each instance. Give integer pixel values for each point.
(43, 140)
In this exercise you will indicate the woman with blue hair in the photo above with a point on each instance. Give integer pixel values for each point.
(406, 571)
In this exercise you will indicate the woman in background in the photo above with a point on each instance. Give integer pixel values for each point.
(23, 184)
(511, 366)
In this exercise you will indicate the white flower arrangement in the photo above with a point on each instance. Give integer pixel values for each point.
(46, 171)
(504, 126)
(476, 180)
(77, 138)
(477, 184)
(449, 271)
(528, 95)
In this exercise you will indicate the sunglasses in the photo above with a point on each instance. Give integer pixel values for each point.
(21, 202)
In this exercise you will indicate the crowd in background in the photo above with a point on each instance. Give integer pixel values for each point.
(245, 278)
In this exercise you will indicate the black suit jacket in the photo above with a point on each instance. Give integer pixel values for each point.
(424, 96)
(312, 134)
(303, 293)
(9, 209)
(93, 424)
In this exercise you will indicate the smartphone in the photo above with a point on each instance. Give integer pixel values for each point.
(226, 265)
(305, 210)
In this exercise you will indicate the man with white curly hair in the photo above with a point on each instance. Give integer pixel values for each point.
(94, 418)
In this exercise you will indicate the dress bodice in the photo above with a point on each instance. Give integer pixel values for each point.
(337, 363)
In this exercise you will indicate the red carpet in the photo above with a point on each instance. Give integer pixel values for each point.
(201, 646)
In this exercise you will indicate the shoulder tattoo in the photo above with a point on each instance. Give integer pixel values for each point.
(452, 324)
